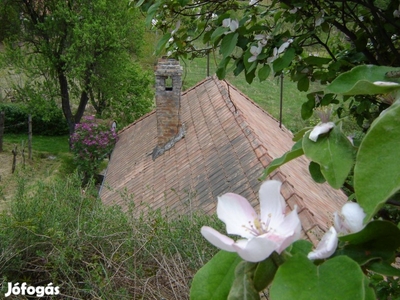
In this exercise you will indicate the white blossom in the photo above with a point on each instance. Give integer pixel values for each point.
(255, 51)
(231, 24)
(262, 234)
(350, 220)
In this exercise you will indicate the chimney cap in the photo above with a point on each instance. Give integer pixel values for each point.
(168, 67)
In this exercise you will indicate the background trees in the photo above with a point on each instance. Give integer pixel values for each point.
(310, 41)
(66, 48)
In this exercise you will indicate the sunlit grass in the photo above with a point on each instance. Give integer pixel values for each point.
(267, 93)
(50, 144)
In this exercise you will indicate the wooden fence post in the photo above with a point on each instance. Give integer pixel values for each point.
(14, 163)
(2, 117)
(30, 137)
(23, 153)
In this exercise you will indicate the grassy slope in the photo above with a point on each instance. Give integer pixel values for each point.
(266, 93)
(50, 157)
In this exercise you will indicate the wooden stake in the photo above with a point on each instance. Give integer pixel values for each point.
(2, 116)
(14, 152)
(30, 137)
(23, 153)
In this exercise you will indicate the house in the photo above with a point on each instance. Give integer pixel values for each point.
(204, 142)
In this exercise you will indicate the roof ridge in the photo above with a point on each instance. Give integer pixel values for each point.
(255, 104)
(258, 147)
(154, 110)
(197, 85)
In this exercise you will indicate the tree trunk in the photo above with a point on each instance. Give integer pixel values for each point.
(65, 103)
(82, 105)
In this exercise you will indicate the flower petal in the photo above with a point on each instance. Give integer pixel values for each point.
(326, 247)
(237, 214)
(226, 22)
(338, 223)
(255, 50)
(272, 204)
(217, 239)
(255, 249)
(320, 129)
(234, 24)
(290, 229)
(353, 216)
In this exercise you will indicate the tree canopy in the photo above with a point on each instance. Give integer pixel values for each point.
(69, 45)
(311, 41)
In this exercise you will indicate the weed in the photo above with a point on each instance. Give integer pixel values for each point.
(56, 232)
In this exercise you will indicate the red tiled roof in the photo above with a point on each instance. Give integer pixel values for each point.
(229, 141)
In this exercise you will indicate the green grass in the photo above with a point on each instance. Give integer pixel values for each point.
(50, 144)
(267, 93)
(50, 158)
(59, 234)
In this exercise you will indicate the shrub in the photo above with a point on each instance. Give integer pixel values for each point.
(56, 232)
(91, 143)
(48, 122)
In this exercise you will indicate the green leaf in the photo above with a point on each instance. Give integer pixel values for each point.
(250, 75)
(239, 67)
(359, 81)
(243, 289)
(250, 66)
(264, 273)
(263, 73)
(151, 12)
(217, 33)
(221, 71)
(183, 2)
(295, 152)
(317, 61)
(214, 280)
(307, 109)
(303, 84)
(384, 269)
(243, 286)
(377, 172)
(284, 61)
(299, 135)
(378, 240)
(300, 247)
(162, 42)
(315, 171)
(337, 278)
(228, 44)
(327, 99)
(334, 153)
(139, 3)
(380, 234)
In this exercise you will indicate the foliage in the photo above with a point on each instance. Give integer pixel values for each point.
(386, 288)
(91, 143)
(9, 20)
(57, 232)
(47, 120)
(353, 47)
(374, 248)
(70, 43)
(310, 41)
(121, 90)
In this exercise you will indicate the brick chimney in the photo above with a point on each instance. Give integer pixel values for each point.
(168, 104)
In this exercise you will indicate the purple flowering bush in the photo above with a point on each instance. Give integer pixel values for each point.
(91, 143)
